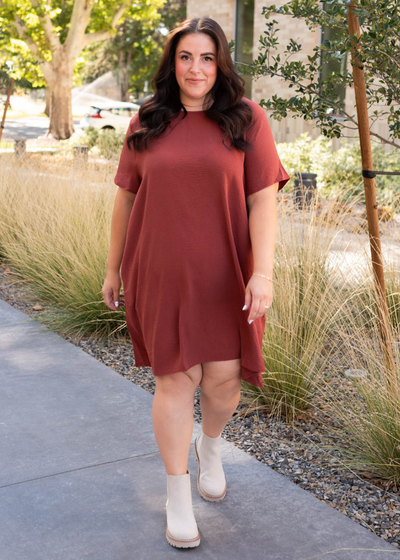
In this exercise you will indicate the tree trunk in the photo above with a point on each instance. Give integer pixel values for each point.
(48, 101)
(123, 77)
(61, 122)
(124, 85)
(371, 206)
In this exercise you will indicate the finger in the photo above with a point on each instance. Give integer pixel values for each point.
(115, 298)
(247, 300)
(108, 297)
(261, 310)
(255, 305)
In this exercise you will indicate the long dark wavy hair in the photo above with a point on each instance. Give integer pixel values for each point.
(232, 114)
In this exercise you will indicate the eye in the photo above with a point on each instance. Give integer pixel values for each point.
(205, 58)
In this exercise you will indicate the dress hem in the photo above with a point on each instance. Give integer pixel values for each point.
(249, 376)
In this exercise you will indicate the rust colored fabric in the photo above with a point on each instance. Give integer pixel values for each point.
(188, 257)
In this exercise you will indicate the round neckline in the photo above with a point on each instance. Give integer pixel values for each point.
(200, 111)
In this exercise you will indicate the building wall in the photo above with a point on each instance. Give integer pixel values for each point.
(223, 11)
(288, 129)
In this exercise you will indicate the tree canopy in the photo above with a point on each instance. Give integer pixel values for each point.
(46, 37)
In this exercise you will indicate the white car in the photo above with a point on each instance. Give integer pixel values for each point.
(115, 115)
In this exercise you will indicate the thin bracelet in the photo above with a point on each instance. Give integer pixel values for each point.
(263, 275)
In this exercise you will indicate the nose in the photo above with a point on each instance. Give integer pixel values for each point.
(195, 67)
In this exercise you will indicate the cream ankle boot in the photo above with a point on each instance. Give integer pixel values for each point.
(211, 481)
(182, 531)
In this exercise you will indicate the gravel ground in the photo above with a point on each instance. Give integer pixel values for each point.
(292, 449)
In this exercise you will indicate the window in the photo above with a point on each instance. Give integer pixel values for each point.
(338, 66)
(122, 111)
(244, 39)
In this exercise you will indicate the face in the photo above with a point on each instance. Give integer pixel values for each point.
(195, 68)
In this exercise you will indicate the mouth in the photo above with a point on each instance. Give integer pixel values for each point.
(195, 81)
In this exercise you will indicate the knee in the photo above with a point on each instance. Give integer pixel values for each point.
(183, 382)
(221, 390)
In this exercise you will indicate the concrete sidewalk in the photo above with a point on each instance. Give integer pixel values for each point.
(81, 476)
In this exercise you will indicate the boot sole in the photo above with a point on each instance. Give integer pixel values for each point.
(182, 543)
(202, 492)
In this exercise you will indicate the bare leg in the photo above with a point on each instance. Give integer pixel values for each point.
(220, 394)
(172, 413)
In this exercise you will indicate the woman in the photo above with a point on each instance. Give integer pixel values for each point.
(193, 230)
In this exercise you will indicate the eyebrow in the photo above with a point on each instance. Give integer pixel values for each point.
(202, 54)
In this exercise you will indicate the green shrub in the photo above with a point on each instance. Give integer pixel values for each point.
(335, 169)
(91, 136)
(109, 143)
(105, 143)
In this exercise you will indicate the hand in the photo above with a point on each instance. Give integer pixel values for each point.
(258, 295)
(110, 290)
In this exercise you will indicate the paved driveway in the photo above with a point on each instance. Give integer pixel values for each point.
(28, 128)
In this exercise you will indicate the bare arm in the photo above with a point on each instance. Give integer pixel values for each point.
(119, 224)
(263, 221)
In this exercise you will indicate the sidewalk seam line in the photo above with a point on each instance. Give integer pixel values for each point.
(81, 468)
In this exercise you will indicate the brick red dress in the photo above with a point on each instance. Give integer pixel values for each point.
(188, 257)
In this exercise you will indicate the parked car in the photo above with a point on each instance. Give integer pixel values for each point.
(112, 116)
(141, 101)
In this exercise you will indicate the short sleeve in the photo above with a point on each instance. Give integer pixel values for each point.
(262, 165)
(128, 176)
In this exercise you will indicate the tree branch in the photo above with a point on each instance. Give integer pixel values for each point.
(33, 47)
(385, 140)
(117, 15)
(388, 55)
(23, 35)
(47, 27)
(381, 138)
(105, 34)
(94, 37)
(79, 21)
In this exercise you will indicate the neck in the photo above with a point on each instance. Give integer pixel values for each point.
(193, 105)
